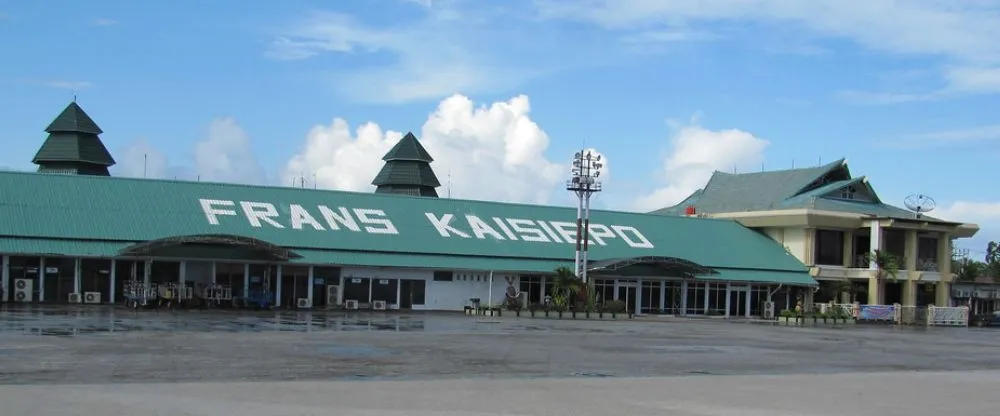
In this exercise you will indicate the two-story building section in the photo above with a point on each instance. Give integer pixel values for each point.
(832, 221)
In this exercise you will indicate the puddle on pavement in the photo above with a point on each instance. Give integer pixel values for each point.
(57, 323)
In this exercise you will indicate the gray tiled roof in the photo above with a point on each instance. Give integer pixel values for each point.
(784, 189)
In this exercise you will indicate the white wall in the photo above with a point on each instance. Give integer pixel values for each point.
(453, 295)
(793, 239)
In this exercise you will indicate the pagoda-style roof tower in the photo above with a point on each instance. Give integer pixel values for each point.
(407, 170)
(73, 146)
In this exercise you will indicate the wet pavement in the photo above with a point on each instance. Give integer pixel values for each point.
(86, 345)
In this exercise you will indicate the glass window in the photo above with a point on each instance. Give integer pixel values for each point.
(532, 285)
(650, 299)
(829, 247)
(716, 298)
(605, 290)
(696, 298)
(927, 250)
(672, 297)
(444, 276)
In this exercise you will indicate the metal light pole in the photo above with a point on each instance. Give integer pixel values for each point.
(587, 167)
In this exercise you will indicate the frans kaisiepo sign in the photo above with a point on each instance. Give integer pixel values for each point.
(375, 221)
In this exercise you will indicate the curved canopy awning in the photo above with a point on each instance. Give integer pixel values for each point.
(664, 266)
(271, 251)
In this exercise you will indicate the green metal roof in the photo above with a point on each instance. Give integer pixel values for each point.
(75, 148)
(73, 120)
(761, 276)
(811, 188)
(111, 209)
(408, 148)
(43, 247)
(407, 170)
(73, 145)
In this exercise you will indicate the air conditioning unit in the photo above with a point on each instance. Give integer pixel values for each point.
(303, 303)
(768, 310)
(379, 305)
(351, 304)
(332, 294)
(74, 298)
(24, 290)
(92, 297)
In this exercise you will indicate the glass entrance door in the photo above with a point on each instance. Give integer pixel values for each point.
(627, 294)
(738, 301)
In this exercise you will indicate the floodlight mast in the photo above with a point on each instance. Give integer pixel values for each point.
(584, 183)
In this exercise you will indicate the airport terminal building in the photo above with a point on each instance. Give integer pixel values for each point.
(71, 232)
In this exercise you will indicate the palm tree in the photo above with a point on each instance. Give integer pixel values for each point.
(565, 283)
(886, 266)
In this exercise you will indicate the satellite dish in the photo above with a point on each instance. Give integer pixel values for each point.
(919, 204)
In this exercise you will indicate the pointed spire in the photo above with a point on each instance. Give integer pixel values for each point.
(408, 148)
(407, 170)
(73, 120)
(73, 145)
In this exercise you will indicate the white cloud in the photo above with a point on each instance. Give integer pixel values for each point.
(962, 33)
(442, 53)
(493, 152)
(970, 212)
(983, 213)
(224, 154)
(141, 160)
(695, 153)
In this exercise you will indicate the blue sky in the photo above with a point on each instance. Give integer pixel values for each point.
(264, 91)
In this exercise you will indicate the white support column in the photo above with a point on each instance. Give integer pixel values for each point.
(729, 291)
(638, 297)
(182, 276)
(147, 272)
(5, 277)
(705, 308)
(111, 281)
(746, 305)
(246, 280)
(76, 275)
(875, 288)
(41, 279)
(663, 295)
(399, 292)
(340, 288)
(542, 292)
(277, 290)
(309, 286)
(684, 298)
(875, 242)
(215, 270)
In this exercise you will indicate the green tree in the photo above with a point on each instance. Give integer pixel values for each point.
(967, 270)
(992, 267)
(568, 289)
(565, 283)
(886, 267)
